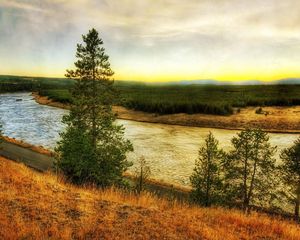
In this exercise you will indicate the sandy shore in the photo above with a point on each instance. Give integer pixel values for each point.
(273, 119)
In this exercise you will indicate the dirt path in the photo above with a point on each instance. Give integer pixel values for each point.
(29, 157)
(272, 119)
(38, 159)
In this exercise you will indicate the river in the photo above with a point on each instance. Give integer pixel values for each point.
(170, 150)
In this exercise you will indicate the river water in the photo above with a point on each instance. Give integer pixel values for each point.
(170, 150)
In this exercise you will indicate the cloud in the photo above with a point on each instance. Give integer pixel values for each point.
(21, 5)
(160, 35)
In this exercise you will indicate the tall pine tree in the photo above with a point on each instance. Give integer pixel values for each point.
(249, 167)
(93, 148)
(207, 176)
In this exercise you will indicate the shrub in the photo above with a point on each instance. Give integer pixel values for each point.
(259, 111)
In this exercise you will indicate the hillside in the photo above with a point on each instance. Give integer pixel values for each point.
(37, 206)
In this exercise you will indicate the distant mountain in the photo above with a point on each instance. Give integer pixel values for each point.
(288, 81)
(216, 82)
(190, 82)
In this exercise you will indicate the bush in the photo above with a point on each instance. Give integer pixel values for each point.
(259, 111)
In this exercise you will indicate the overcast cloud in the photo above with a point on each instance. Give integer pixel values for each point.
(155, 39)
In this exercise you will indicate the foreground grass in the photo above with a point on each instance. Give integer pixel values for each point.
(37, 206)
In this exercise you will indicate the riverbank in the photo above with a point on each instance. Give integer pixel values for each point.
(272, 119)
(42, 159)
(42, 206)
(170, 150)
(37, 149)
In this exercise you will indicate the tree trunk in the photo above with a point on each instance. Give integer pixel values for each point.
(207, 202)
(140, 186)
(94, 137)
(207, 193)
(246, 205)
(297, 209)
(297, 204)
(246, 200)
(249, 195)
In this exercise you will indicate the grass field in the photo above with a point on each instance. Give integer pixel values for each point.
(19, 83)
(206, 99)
(40, 206)
(169, 99)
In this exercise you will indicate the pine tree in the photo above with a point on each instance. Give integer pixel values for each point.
(93, 148)
(249, 167)
(290, 174)
(207, 178)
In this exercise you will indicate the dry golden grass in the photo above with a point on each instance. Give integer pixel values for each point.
(37, 206)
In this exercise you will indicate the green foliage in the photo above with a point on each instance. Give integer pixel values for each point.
(210, 99)
(168, 99)
(76, 157)
(207, 180)
(59, 95)
(81, 164)
(247, 175)
(249, 168)
(290, 174)
(218, 100)
(17, 83)
(93, 148)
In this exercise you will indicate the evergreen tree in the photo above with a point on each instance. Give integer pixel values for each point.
(93, 148)
(207, 178)
(290, 174)
(249, 167)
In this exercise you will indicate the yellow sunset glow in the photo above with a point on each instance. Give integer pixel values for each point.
(154, 41)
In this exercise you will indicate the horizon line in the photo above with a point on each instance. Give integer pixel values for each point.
(190, 81)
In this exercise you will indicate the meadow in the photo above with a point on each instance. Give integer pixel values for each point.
(169, 99)
(44, 206)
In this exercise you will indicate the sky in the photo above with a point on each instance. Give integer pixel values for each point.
(155, 40)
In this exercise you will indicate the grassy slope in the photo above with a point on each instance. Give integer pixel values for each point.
(36, 206)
